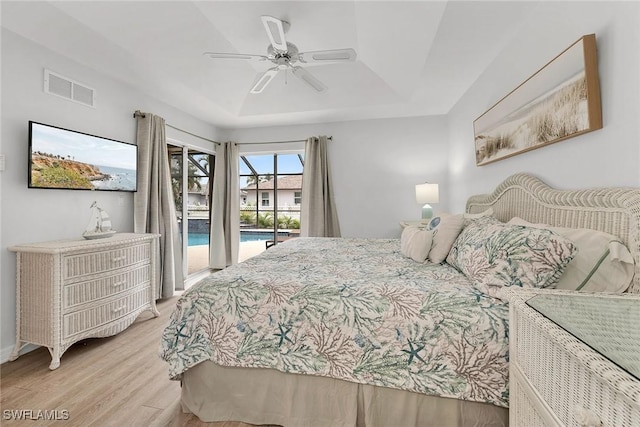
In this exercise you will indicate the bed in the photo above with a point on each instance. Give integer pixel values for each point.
(352, 332)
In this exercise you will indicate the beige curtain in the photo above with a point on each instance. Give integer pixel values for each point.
(318, 216)
(154, 206)
(225, 222)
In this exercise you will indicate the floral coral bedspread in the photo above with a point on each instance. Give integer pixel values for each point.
(352, 309)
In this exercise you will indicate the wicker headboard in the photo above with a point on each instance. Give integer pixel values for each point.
(612, 210)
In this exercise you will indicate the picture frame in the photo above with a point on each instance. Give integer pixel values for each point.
(559, 101)
(65, 159)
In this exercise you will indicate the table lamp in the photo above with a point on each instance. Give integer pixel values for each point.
(427, 193)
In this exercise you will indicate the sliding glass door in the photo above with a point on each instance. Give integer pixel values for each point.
(270, 200)
(192, 178)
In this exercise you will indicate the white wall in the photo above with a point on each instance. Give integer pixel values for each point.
(606, 157)
(31, 215)
(375, 167)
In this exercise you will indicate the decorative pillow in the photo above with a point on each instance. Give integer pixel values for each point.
(446, 228)
(494, 255)
(603, 262)
(415, 243)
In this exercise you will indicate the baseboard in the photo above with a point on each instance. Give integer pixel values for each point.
(6, 352)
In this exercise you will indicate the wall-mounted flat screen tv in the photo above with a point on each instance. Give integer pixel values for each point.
(65, 159)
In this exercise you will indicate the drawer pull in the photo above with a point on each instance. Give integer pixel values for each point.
(118, 259)
(586, 418)
(119, 309)
(118, 284)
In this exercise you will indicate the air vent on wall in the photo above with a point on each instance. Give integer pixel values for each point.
(64, 87)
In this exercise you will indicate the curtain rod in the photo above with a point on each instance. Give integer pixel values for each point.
(139, 113)
(330, 138)
(193, 134)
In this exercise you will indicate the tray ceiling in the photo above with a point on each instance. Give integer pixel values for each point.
(414, 57)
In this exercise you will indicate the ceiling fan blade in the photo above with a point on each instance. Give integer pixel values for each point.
(275, 31)
(328, 55)
(308, 78)
(264, 80)
(221, 55)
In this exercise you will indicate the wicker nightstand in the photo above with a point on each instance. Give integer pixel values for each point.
(555, 379)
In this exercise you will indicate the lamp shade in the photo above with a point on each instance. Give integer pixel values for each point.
(427, 193)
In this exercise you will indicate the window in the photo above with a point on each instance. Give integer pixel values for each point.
(270, 196)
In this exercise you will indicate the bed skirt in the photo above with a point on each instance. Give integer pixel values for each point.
(266, 396)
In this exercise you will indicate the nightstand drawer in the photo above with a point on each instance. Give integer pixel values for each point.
(76, 266)
(84, 320)
(558, 380)
(565, 384)
(524, 407)
(78, 293)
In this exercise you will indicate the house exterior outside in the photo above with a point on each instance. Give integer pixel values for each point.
(198, 209)
(262, 195)
(198, 197)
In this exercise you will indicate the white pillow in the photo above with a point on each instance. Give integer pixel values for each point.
(446, 228)
(603, 263)
(415, 243)
(468, 217)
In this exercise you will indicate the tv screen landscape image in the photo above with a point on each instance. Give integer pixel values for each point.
(65, 159)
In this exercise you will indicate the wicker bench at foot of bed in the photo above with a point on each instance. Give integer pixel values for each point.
(266, 396)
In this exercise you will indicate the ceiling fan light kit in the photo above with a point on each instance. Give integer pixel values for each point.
(284, 55)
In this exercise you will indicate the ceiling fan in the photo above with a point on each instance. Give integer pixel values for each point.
(285, 55)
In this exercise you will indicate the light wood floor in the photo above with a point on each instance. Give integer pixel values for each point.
(198, 256)
(116, 381)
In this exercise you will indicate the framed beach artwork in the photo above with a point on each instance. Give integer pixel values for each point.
(560, 101)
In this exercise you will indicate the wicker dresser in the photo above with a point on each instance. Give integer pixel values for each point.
(555, 379)
(75, 289)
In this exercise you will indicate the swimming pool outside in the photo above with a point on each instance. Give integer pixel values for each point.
(197, 239)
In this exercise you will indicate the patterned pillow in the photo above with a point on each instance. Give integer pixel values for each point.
(493, 255)
(603, 263)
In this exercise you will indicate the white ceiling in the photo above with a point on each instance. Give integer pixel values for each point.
(414, 57)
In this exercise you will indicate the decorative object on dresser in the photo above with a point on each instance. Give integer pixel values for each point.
(560, 101)
(69, 290)
(574, 358)
(99, 225)
(427, 193)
